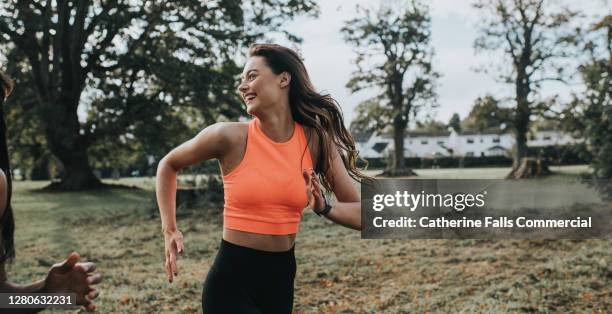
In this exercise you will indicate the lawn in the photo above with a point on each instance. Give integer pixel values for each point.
(119, 229)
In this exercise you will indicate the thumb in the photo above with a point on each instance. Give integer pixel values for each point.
(69, 263)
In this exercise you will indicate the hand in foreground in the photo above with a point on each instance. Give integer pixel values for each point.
(72, 277)
(173, 241)
(313, 191)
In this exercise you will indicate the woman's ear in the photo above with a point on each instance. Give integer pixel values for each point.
(285, 79)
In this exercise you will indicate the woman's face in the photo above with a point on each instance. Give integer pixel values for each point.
(259, 87)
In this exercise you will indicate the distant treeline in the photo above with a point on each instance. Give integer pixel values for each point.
(553, 155)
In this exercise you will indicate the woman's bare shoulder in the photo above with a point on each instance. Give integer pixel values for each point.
(233, 132)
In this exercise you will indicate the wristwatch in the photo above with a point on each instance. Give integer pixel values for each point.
(327, 208)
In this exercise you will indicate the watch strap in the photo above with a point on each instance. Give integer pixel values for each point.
(327, 207)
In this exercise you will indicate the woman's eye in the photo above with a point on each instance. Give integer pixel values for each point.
(251, 77)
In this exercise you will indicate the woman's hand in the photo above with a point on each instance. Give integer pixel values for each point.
(313, 191)
(72, 277)
(173, 241)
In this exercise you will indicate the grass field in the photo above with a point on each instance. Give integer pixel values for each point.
(119, 229)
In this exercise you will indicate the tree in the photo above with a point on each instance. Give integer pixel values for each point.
(455, 122)
(597, 101)
(134, 64)
(535, 43)
(431, 125)
(487, 113)
(371, 116)
(27, 145)
(392, 46)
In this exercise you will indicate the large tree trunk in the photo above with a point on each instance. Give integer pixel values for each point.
(69, 147)
(77, 174)
(398, 168)
(520, 149)
(530, 168)
(40, 169)
(521, 122)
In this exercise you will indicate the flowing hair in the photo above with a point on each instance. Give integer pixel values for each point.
(7, 223)
(318, 111)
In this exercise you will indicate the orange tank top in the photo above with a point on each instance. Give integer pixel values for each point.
(266, 192)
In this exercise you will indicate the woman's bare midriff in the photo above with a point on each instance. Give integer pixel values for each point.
(263, 242)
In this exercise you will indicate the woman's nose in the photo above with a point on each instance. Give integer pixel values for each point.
(242, 87)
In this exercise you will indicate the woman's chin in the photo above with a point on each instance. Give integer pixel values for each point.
(251, 109)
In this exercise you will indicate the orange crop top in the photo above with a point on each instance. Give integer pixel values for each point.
(266, 192)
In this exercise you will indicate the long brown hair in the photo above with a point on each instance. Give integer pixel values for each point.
(318, 111)
(7, 223)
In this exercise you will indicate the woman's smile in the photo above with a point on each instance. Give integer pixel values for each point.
(249, 96)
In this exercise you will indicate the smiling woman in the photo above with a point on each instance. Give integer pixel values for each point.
(270, 167)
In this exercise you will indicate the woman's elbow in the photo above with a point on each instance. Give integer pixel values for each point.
(165, 167)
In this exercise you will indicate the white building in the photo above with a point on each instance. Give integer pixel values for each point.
(450, 143)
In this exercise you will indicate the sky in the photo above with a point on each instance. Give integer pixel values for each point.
(330, 61)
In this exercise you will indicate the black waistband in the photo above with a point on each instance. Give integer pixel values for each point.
(228, 246)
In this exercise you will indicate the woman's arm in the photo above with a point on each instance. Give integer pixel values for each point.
(347, 214)
(212, 142)
(9, 287)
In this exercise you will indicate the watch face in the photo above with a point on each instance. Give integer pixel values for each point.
(327, 206)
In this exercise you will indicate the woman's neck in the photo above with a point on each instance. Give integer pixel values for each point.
(277, 126)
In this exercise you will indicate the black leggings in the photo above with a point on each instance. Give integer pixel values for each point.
(246, 280)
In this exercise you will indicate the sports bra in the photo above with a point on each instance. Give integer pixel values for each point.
(266, 192)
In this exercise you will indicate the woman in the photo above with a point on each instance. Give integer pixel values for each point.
(269, 168)
(65, 277)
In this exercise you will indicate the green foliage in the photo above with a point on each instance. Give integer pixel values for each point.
(455, 122)
(28, 152)
(537, 42)
(431, 125)
(370, 116)
(392, 45)
(597, 101)
(393, 56)
(148, 74)
(535, 38)
(488, 114)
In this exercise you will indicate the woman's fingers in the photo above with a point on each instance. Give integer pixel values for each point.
(315, 184)
(93, 294)
(67, 264)
(307, 181)
(94, 279)
(174, 245)
(173, 264)
(178, 240)
(87, 267)
(168, 270)
(90, 307)
(180, 246)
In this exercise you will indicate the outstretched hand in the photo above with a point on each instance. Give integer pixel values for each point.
(313, 191)
(72, 277)
(173, 242)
